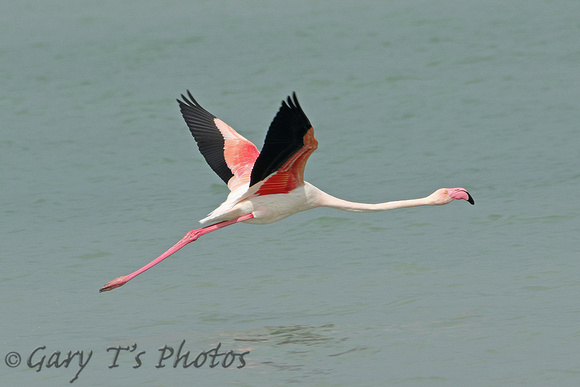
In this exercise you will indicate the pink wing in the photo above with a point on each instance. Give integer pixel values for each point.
(288, 145)
(278, 168)
(228, 153)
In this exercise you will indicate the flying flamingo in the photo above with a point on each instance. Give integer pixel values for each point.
(267, 186)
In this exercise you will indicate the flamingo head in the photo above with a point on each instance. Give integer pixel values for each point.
(447, 195)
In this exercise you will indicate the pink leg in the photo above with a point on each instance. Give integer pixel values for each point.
(188, 238)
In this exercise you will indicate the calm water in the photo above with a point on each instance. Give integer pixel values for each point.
(99, 175)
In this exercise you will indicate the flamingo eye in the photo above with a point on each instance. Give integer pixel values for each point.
(445, 192)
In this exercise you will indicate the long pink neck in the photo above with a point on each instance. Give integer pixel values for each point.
(326, 200)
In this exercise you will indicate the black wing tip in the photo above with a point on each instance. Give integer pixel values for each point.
(292, 101)
(284, 138)
(210, 141)
(188, 105)
(188, 101)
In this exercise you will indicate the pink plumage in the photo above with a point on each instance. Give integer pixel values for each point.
(269, 185)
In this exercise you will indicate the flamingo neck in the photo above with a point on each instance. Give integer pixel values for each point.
(326, 200)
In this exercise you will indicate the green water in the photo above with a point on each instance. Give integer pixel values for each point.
(99, 175)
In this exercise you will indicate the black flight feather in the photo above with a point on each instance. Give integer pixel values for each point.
(285, 137)
(208, 137)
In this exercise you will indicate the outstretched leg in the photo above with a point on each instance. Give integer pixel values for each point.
(188, 238)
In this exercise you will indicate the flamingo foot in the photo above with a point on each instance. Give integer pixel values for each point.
(117, 282)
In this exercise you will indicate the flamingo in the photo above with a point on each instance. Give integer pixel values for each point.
(267, 186)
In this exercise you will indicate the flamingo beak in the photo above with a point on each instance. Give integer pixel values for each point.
(461, 193)
(470, 199)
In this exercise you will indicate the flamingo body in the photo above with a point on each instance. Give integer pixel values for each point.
(269, 185)
(267, 208)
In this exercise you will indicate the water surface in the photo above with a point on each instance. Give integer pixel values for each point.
(100, 175)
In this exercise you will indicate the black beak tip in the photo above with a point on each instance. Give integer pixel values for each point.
(470, 199)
